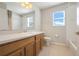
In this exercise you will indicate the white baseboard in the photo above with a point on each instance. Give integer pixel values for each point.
(73, 47)
(57, 43)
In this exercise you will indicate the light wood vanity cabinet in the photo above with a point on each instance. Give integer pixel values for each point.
(42, 41)
(19, 52)
(29, 50)
(38, 44)
(25, 47)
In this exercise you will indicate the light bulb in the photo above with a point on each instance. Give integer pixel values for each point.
(30, 5)
(27, 5)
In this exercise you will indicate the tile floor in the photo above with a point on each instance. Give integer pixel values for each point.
(56, 50)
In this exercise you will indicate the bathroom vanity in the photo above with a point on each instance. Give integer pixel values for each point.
(21, 44)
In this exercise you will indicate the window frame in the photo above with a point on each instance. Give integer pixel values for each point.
(63, 24)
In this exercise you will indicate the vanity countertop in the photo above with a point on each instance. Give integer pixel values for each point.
(16, 36)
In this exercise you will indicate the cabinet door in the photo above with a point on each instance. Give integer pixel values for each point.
(19, 52)
(38, 44)
(29, 50)
(38, 47)
(42, 40)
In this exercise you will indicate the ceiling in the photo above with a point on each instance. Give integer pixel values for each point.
(43, 5)
(16, 6)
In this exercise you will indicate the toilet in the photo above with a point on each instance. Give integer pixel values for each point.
(48, 40)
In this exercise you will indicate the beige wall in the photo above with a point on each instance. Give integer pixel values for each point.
(71, 22)
(66, 33)
(3, 17)
(48, 27)
(37, 19)
(72, 27)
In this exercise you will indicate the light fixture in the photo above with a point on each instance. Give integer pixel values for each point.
(26, 5)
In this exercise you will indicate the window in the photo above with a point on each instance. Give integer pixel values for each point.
(30, 21)
(59, 18)
(77, 16)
